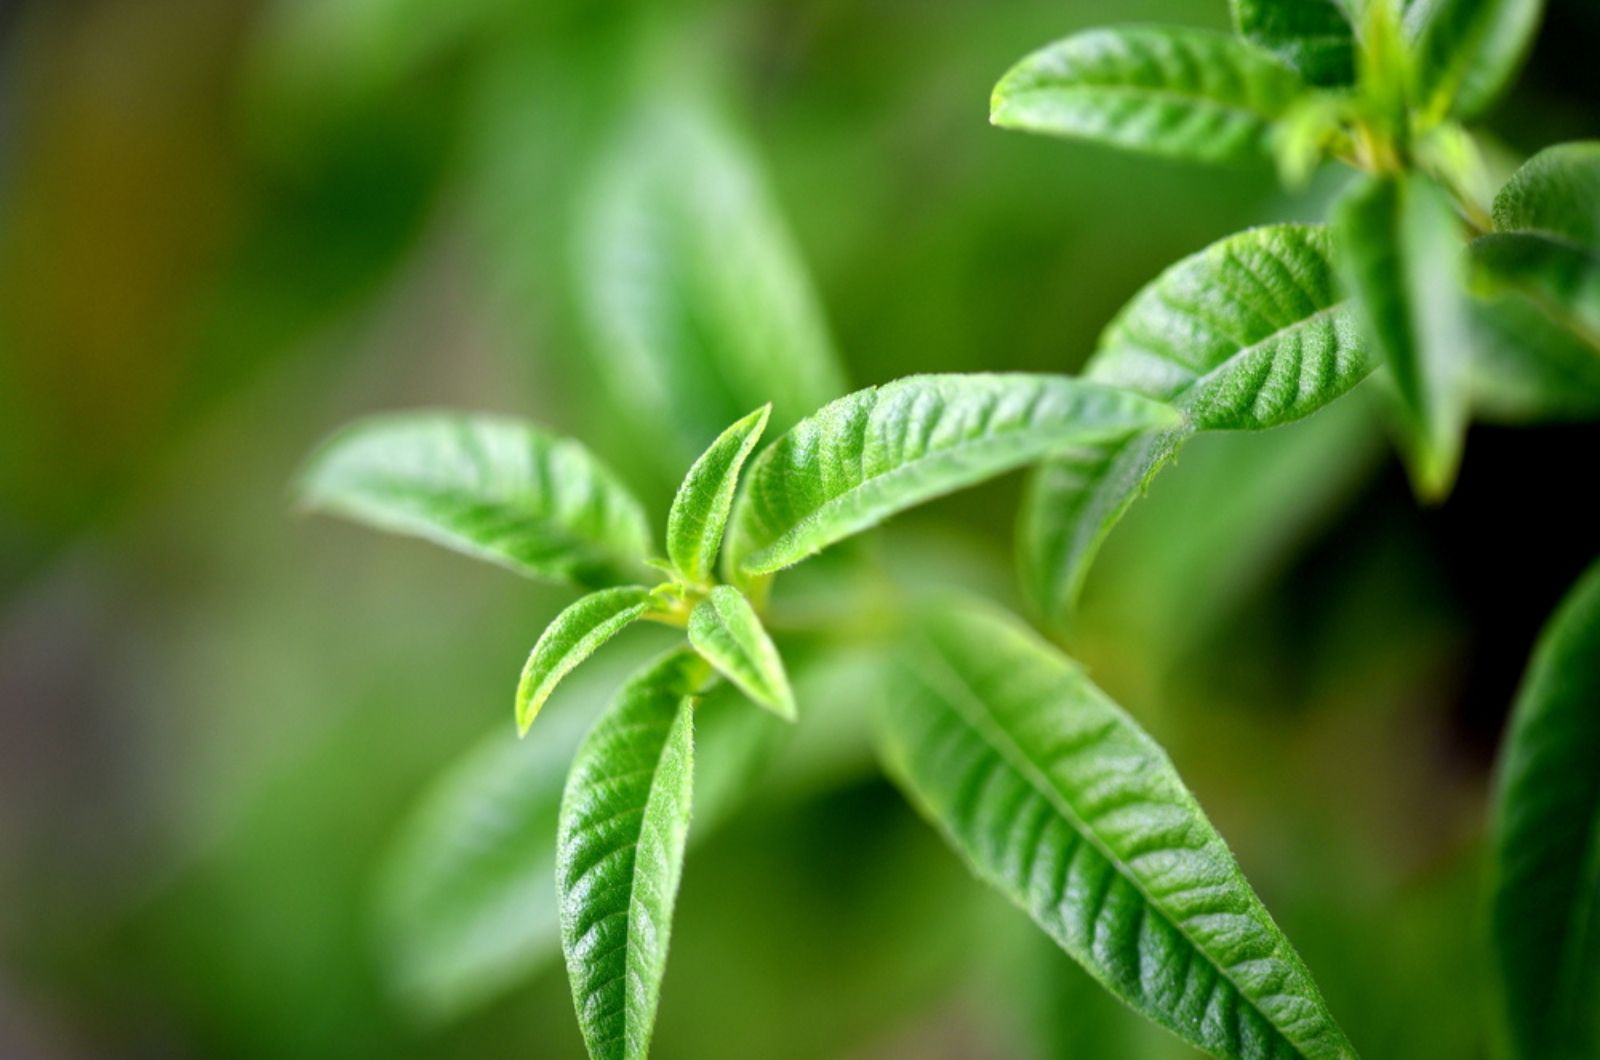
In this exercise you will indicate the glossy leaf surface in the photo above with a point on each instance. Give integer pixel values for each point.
(624, 825)
(572, 636)
(699, 514)
(1545, 864)
(725, 631)
(885, 449)
(487, 486)
(1055, 797)
(1313, 36)
(1249, 333)
(1181, 93)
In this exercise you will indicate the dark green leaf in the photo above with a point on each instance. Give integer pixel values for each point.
(1528, 368)
(725, 631)
(1055, 797)
(624, 824)
(1468, 51)
(486, 486)
(1562, 279)
(1247, 334)
(1545, 890)
(1400, 253)
(1181, 93)
(695, 298)
(574, 635)
(1556, 192)
(699, 512)
(885, 449)
(1313, 36)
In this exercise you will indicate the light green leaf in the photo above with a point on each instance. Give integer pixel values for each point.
(694, 296)
(574, 635)
(885, 449)
(699, 512)
(1400, 254)
(1556, 192)
(1247, 334)
(1313, 36)
(1055, 797)
(1468, 51)
(725, 631)
(624, 824)
(1545, 864)
(487, 486)
(1181, 93)
(1562, 279)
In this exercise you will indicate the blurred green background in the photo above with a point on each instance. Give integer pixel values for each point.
(228, 226)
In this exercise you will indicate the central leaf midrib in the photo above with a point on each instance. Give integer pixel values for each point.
(1157, 95)
(1008, 750)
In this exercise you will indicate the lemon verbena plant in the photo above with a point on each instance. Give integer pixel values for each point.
(1457, 298)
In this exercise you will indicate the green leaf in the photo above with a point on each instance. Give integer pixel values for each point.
(1180, 93)
(490, 487)
(1556, 192)
(885, 449)
(1249, 333)
(1545, 862)
(1055, 797)
(695, 299)
(574, 635)
(1400, 253)
(1313, 36)
(1528, 368)
(699, 512)
(1468, 51)
(1562, 279)
(624, 824)
(725, 631)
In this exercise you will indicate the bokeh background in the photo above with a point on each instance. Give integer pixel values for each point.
(228, 226)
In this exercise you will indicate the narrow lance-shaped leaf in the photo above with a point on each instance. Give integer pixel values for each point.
(695, 298)
(1545, 862)
(1055, 797)
(624, 824)
(1247, 334)
(1400, 254)
(1556, 193)
(885, 449)
(699, 514)
(1313, 36)
(1468, 51)
(574, 635)
(725, 631)
(1181, 93)
(486, 486)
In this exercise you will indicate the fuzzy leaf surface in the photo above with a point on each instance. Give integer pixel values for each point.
(1468, 51)
(1545, 860)
(624, 825)
(1313, 36)
(1179, 93)
(571, 637)
(1401, 259)
(882, 450)
(699, 514)
(1249, 333)
(486, 486)
(726, 632)
(1556, 192)
(1054, 796)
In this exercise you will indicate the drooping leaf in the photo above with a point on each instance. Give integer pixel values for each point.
(1400, 254)
(725, 631)
(1562, 279)
(885, 449)
(624, 824)
(1181, 93)
(1556, 192)
(1313, 36)
(699, 514)
(1545, 865)
(490, 487)
(1055, 797)
(571, 637)
(1468, 51)
(1249, 333)
(695, 298)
